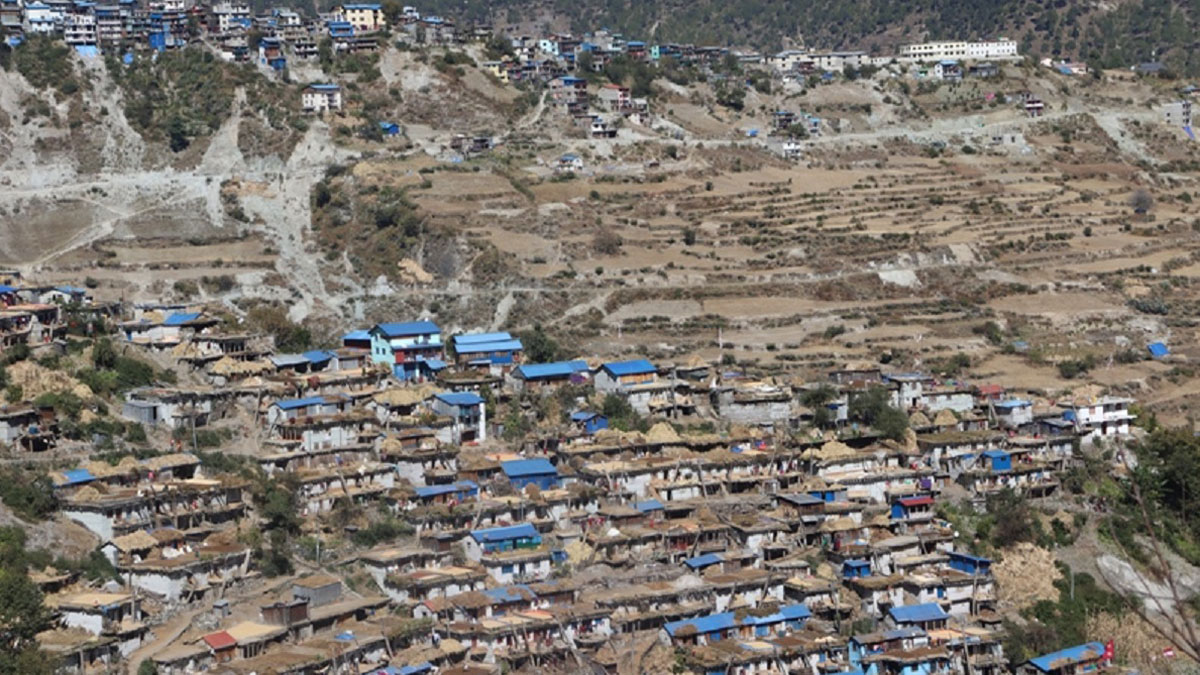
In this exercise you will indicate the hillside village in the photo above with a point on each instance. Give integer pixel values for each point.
(381, 343)
(467, 509)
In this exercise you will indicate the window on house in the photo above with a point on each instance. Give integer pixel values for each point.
(506, 569)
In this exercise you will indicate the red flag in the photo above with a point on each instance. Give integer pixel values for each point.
(1168, 652)
(1109, 648)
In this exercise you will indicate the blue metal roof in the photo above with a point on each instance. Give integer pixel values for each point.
(788, 613)
(537, 371)
(494, 534)
(1069, 656)
(462, 398)
(583, 415)
(357, 335)
(71, 290)
(929, 611)
(995, 454)
(361, 6)
(970, 557)
(434, 364)
(77, 476)
(528, 467)
(856, 563)
(509, 594)
(702, 561)
(475, 338)
(648, 506)
(180, 319)
(497, 346)
(1013, 403)
(634, 367)
(703, 624)
(426, 491)
(292, 404)
(406, 328)
(1157, 349)
(318, 355)
(904, 633)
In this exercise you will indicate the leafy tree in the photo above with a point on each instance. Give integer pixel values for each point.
(539, 347)
(28, 492)
(22, 614)
(1141, 201)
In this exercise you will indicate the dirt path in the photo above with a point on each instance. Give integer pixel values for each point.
(165, 635)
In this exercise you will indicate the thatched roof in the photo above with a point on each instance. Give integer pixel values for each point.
(945, 418)
(831, 450)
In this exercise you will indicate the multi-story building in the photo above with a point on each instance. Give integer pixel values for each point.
(937, 51)
(319, 98)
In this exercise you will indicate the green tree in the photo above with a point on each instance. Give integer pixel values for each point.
(539, 346)
(22, 613)
(104, 355)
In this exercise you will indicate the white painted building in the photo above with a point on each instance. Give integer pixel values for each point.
(937, 51)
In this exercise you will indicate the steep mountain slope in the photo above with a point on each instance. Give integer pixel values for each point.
(1110, 34)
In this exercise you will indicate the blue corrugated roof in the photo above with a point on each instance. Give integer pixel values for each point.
(510, 594)
(71, 290)
(703, 624)
(475, 338)
(434, 364)
(357, 335)
(497, 346)
(634, 367)
(292, 404)
(788, 613)
(972, 558)
(928, 611)
(528, 467)
(318, 356)
(180, 319)
(524, 530)
(6, 289)
(461, 398)
(701, 561)
(1157, 349)
(1069, 656)
(648, 505)
(1012, 403)
(406, 328)
(426, 491)
(583, 415)
(535, 371)
(77, 476)
(995, 454)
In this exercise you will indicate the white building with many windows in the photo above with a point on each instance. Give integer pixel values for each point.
(937, 51)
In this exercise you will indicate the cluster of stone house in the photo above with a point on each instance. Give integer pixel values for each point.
(710, 537)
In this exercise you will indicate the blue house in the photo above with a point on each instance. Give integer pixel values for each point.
(511, 538)
(913, 508)
(460, 491)
(716, 627)
(488, 349)
(404, 346)
(865, 649)
(389, 128)
(855, 569)
(997, 460)
(619, 375)
(340, 29)
(538, 471)
(542, 375)
(1084, 658)
(925, 616)
(590, 422)
(970, 564)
